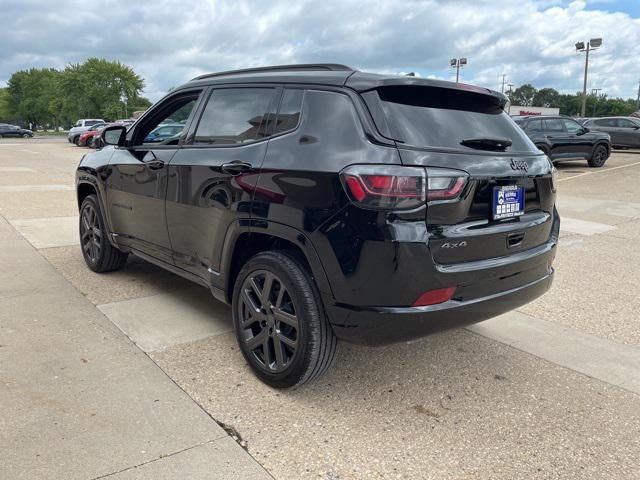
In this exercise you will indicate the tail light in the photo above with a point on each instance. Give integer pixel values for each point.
(444, 183)
(394, 187)
(386, 187)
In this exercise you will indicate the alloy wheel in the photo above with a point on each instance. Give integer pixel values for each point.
(269, 328)
(90, 233)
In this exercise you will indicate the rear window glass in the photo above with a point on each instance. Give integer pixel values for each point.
(440, 117)
(91, 122)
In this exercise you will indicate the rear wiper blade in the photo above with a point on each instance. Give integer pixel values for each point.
(499, 144)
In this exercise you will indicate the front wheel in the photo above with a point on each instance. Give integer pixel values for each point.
(99, 255)
(25, 135)
(279, 321)
(598, 156)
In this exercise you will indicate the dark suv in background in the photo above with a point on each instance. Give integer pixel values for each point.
(563, 138)
(624, 131)
(325, 203)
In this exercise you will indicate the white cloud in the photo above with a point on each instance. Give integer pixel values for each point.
(169, 42)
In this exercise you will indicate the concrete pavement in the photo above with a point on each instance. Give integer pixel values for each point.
(79, 400)
(545, 392)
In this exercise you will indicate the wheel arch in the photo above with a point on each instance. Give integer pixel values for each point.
(244, 242)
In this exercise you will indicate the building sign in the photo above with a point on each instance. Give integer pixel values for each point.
(519, 110)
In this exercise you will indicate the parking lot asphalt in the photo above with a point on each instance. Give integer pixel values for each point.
(549, 391)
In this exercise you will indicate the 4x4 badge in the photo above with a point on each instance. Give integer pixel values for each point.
(519, 165)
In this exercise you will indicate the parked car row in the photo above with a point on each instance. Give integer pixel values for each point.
(87, 131)
(8, 130)
(624, 131)
(562, 138)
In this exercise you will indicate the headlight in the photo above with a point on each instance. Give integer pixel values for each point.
(554, 179)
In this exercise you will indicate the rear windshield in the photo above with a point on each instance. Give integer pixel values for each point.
(443, 118)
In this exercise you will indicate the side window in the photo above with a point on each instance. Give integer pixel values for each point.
(571, 126)
(605, 122)
(554, 125)
(534, 126)
(290, 110)
(165, 123)
(624, 123)
(234, 116)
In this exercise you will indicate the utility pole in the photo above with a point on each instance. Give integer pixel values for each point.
(458, 63)
(594, 92)
(503, 76)
(638, 100)
(580, 47)
(510, 85)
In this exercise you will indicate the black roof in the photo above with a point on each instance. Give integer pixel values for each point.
(332, 74)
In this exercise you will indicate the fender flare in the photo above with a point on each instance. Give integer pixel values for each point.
(239, 227)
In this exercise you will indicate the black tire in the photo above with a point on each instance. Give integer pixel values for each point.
(598, 156)
(76, 141)
(25, 135)
(290, 319)
(99, 255)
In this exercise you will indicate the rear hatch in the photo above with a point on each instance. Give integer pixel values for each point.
(507, 200)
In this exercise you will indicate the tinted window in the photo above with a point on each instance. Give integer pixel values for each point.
(289, 113)
(234, 115)
(605, 122)
(439, 117)
(571, 126)
(553, 125)
(624, 123)
(534, 126)
(89, 123)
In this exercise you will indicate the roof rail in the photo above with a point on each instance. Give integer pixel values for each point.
(333, 67)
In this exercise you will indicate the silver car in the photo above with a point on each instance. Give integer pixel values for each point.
(624, 131)
(82, 126)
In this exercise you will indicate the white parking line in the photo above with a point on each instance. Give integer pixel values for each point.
(36, 188)
(596, 357)
(16, 169)
(599, 171)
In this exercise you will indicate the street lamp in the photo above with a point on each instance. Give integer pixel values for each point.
(580, 47)
(458, 63)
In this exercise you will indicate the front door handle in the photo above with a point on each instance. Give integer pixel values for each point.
(154, 163)
(236, 167)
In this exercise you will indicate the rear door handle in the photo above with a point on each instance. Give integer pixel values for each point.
(236, 167)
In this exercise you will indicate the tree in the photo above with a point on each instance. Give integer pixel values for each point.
(30, 93)
(100, 88)
(523, 95)
(546, 97)
(5, 112)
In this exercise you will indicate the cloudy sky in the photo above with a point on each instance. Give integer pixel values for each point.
(170, 41)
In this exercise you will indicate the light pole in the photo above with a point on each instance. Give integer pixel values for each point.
(594, 92)
(458, 63)
(503, 76)
(580, 47)
(510, 85)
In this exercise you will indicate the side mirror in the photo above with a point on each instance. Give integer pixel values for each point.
(114, 135)
(583, 131)
(636, 127)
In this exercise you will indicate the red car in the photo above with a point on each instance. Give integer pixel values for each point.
(87, 138)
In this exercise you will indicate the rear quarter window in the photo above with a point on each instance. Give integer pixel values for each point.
(442, 118)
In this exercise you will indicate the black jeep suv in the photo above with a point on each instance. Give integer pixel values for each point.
(563, 138)
(324, 203)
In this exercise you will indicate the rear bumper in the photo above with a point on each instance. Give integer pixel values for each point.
(385, 325)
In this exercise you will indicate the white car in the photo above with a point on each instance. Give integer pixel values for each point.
(81, 126)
